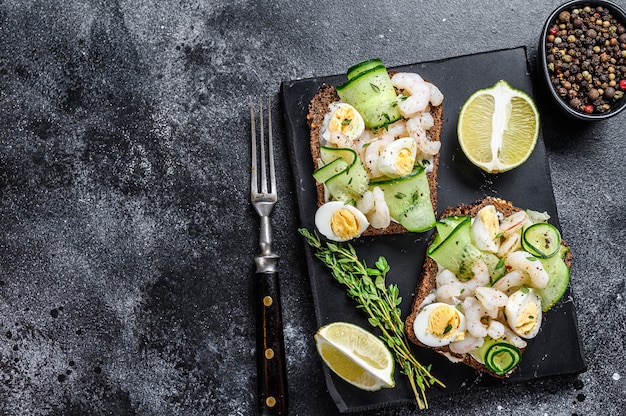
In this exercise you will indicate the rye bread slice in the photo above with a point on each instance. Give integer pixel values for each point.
(427, 281)
(317, 109)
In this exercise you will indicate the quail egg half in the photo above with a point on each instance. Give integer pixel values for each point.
(439, 324)
(339, 221)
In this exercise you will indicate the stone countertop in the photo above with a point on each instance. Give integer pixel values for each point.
(126, 235)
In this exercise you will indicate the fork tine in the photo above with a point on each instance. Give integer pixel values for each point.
(253, 175)
(263, 156)
(271, 147)
(262, 152)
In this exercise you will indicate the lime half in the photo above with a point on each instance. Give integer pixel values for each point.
(498, 127)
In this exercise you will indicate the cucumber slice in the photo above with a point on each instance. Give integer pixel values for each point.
(498, 356)
(349, 183)
(331, 169)
(408, 199)
(445, 226)
(373, 95)
(456, 252)
(357, 69)
(559, 276)
(502, 357)
(542, 240)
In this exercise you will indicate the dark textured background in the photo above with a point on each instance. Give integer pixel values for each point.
(125, 231)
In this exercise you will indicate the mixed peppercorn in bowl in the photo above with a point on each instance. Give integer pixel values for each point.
(582, 57)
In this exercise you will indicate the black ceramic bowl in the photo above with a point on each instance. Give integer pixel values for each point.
(582, 43)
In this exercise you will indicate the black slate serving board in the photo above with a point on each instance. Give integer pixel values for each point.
(556, 350)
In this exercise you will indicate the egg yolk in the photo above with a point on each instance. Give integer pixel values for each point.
(490, 220)
(443, 322)
(344, 224)
(527, 318)
(404, 162)
(343, 121)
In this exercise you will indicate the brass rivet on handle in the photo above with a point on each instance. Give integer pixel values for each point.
(270, 401)
(269, 353)
(267, 301)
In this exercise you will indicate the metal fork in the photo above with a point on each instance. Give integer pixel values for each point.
(271, 364)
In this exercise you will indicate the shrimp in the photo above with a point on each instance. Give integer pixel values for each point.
(436, 97)
(340, 140)
(512, 243)
(469, 343)
(418, 93)
(521, 260)
(451, 290)
(425, 120)
(372, 154)
(379, 217)
(450, 293)
(445, 277)
(481, 277)
(495, 329)
(366, 203)
(397, 129)
(474, 312)
(416, 129)
(361, 143)
(510, 281)
(491, 299)
(511, 337)
(513, 222)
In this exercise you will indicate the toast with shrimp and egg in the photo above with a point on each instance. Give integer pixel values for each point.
(382, 149)
(488, 298)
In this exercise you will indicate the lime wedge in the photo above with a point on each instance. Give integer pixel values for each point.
(356, 355)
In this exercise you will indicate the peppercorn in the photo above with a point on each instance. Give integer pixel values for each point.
(593, 94)
(588, 109)
(586, 57)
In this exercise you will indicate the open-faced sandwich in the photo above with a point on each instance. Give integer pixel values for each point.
(375, 146)
(492, 270)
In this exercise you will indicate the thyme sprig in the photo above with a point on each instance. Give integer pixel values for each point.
(368, 288)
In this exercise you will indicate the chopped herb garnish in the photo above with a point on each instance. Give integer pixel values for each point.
(346, 122)
(500, 264)
(375, 87)
(447, 329)
(400, 195)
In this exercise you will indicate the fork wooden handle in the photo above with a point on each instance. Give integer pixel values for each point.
(271, 365)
